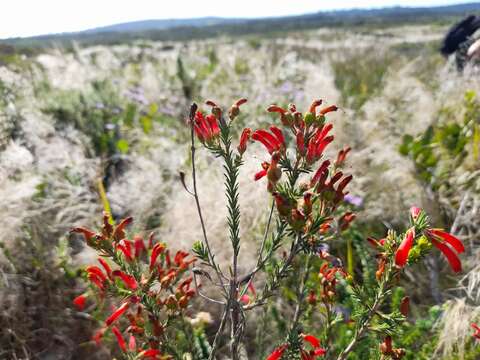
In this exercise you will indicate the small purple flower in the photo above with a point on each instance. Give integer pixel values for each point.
(137, 95)
(354, 200)
(287, 87)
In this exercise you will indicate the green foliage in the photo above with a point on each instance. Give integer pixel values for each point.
(102, 115)
(446, 145)
(360, 76)
(201, 345)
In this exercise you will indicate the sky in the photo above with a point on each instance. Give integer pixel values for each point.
(19, 18)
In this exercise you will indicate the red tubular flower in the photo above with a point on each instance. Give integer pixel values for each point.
(262, 173)
(401, 256)
(279, 135)
(319, 172)
(149, 353)
(235, 109)
(271, 142)
(274, 173)
(97, 272)
(267, 139)
(322, 145)
(139, 246)
(318, 143)
(97, 337)
(179, 256)
(120, 339)
(476, 334)
(319, 352)
(441, 235)
(276, 109)
(242, 146)
(97, 281)
(80, 301)
(376, 243)
(107, 268)
(132, 343)
(211, 103)
(200, 127)
(452, 258)
(386, 347)
(87, 234)
(444, 242)
(240, 102)
(126, 249)
(119, 232)
(150, 240)
(322, 132)
(117, 313)
(285, 117)
(157, 250)
(277, 353)
(128, 280)
(213, 125)
(328, 109)
(405, 306)
(381, 268)
(342, 155)
(314, 105)
(300, 142)
(343, 184)
(312, 340)
(346, 220)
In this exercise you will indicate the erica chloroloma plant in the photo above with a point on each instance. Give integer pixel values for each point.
(307, 213)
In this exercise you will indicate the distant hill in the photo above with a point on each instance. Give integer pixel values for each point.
(189, 29)
(146, 25)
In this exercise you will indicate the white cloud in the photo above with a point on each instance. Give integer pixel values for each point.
(34, 17)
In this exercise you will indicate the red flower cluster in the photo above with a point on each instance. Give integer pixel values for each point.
(328, 280)
(312, 137)
(305, 354)
(326, 189)
(146, 275)
(310, 131)
(206, 127)
(448, 244)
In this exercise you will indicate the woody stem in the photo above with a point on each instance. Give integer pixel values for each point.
(231, 167)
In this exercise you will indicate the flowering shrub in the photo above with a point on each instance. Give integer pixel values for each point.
(148, 283)
(307, 193)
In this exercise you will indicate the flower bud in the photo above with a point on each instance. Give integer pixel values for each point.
(405, 306)
(242, 147)
(415, 212)
(217, 112)
(233, 112)
(386, 346)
